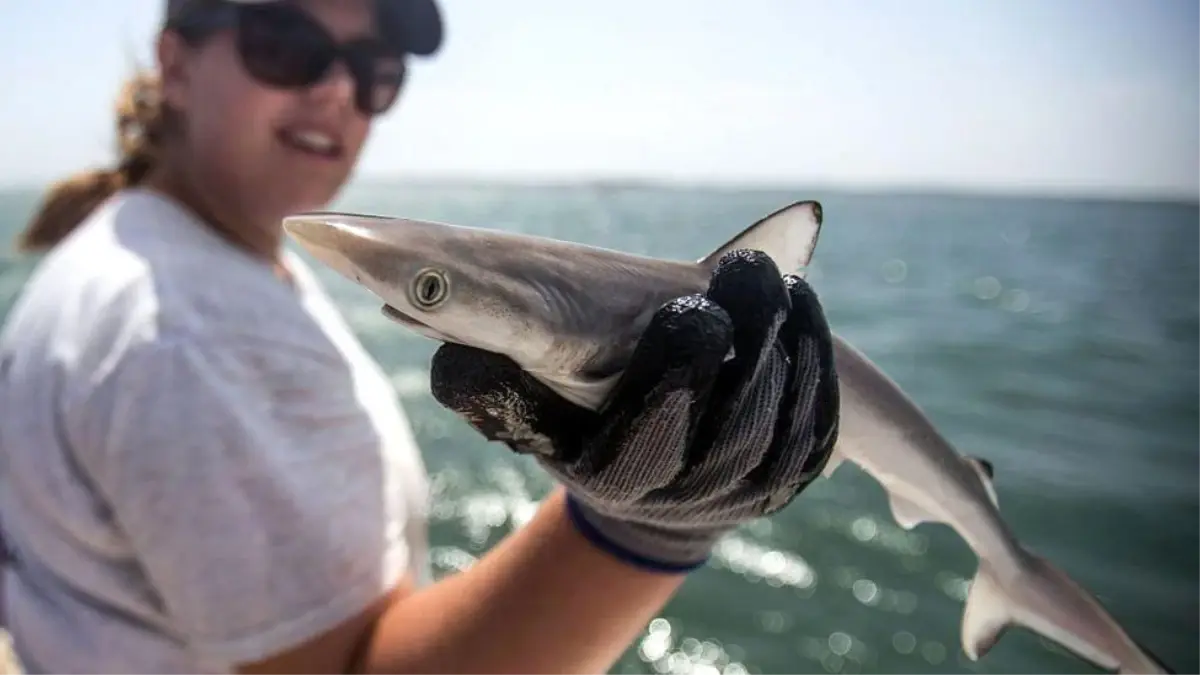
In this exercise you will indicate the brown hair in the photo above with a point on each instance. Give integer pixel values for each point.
(141, 122)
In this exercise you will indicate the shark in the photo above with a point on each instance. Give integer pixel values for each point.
(570, 315)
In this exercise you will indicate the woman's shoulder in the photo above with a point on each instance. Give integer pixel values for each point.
(141, 269)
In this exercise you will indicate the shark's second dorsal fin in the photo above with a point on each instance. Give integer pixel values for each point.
(788, 235)
(986, 472)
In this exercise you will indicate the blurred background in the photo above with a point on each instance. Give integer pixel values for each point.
(1012, 232)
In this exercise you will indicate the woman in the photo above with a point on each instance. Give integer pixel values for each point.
(204, 471)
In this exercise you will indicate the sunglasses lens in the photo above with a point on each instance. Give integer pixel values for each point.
(378, 77)
(382, 96)
(283, 47)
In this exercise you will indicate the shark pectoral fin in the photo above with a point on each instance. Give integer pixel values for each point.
(788, 236)
(907, 514)
(985, 471)
(986, 617)
(587, 393)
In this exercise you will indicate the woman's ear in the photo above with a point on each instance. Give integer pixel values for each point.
(172, 54)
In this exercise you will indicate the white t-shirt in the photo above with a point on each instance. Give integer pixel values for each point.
(200, 465)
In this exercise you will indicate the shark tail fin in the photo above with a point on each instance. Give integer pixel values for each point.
(788, 235)
(1043, 599)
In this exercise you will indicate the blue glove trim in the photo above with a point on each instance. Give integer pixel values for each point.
(593, 535)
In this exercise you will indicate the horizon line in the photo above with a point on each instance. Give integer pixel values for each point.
(928, 188)
(633, 181)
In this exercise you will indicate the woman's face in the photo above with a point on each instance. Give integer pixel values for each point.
(254, 153)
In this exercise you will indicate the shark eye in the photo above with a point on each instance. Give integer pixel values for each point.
(429, 289)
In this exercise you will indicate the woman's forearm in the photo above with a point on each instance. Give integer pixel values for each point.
(543, 600)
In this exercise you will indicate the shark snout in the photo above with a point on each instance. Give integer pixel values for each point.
(332, 239)
(335, 231)
(313, 230)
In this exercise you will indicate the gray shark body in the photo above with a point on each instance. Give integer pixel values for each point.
(571, 314)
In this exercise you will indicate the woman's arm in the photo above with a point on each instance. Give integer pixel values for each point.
(543, 600)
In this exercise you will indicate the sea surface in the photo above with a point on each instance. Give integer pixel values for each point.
(1056, 338)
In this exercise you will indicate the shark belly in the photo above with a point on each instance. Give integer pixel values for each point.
(883, 433)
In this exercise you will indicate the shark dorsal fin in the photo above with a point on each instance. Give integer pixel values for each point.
(788, 235)
(984, 469)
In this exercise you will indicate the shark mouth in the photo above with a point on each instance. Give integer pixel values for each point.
(400, 317)
(413, 324)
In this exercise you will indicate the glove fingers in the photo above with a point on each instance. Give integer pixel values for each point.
(807, 431)
(505, 403)
(747, 284)
(746, 396)
(807, 328)
(654, 410)
(682, 347)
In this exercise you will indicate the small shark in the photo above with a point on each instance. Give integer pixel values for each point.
(571, 314)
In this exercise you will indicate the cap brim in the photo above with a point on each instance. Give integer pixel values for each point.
(417, 24)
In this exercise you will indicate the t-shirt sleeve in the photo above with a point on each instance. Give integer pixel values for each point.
(249, 482)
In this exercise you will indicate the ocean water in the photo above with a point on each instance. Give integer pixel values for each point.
(1056, 338)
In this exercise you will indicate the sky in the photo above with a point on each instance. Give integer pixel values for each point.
(1077, 96)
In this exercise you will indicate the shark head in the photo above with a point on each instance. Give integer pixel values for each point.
(569, 314)
(430, 279)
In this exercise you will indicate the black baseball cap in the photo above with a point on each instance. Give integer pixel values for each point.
(415, 24)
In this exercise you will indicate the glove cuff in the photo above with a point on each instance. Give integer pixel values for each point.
(639, 545)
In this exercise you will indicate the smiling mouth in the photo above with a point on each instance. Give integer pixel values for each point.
(312, 143)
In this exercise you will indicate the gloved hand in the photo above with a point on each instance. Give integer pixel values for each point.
(687, 446)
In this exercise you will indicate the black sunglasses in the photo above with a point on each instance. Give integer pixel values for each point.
(283, 46)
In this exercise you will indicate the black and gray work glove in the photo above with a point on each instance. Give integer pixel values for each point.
(688, 446)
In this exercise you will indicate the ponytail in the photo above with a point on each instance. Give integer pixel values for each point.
(140, 126)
